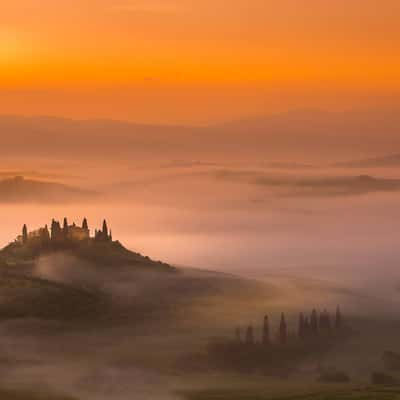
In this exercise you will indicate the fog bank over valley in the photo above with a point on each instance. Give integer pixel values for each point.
(249, 218)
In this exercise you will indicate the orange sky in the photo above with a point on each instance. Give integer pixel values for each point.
(196, 60)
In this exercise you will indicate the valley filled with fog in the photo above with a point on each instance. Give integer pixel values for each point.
(269, 230)
(322, 221)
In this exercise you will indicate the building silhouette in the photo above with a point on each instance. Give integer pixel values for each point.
(65, 233)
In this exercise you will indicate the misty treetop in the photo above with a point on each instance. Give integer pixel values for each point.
(317, 324)
(316, 334)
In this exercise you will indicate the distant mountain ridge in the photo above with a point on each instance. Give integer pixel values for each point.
(301, 132)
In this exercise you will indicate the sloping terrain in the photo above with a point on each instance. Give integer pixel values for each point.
(24, 296)
(97, 252)
(20, 190)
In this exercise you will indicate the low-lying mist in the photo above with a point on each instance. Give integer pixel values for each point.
(233, 217)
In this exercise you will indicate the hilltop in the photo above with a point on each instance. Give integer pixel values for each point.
(99, 249)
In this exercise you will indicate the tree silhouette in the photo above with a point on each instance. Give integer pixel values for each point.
(306, 327)
(314, 322)
(55, 230)
(24, 234)
(282, 330)
(301, 326)
(85, 224)
(105, 230)
(65, 228)
(266, 334)
(45, 234)
(249, 335)
(338, 318)
(322, 321)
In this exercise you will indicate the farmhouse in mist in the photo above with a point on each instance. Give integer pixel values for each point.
(64, 233)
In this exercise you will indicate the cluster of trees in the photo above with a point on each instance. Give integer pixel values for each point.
(317, 333)
(60, 233)
(312, 326)
(318, 324)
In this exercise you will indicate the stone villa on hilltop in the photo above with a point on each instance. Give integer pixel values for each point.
(64, 233)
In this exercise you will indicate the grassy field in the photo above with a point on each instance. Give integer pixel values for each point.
(113, 334)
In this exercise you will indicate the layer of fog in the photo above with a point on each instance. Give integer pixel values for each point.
(316, 250)
(232, 217)
(177, 214)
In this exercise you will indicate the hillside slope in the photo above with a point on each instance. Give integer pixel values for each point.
(111, 253)
(20, 190)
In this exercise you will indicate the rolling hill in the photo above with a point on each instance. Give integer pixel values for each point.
(21, 190)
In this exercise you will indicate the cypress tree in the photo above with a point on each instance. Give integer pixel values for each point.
(306, 326)
(65, 228)
(301, 332)
(314, 322)
(266, 334)
(45, 234)
(85, 224)
(24, 234)
(249, 335)
(338, 318)
(282, 330)
(321, 321)
(53, 229)
(105, 230)
(58, 230)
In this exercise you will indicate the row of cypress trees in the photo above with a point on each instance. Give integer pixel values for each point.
(308, 327)
(318, 324)
(59, 233)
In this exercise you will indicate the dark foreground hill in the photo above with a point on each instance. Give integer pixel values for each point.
(75, 241)
(105, 284)
(64, 277)
(110, 253)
